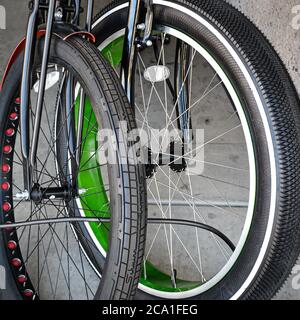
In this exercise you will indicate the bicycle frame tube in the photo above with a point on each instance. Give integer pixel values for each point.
(42, 82)
(77, 150)
(89, 16)
(129, 50)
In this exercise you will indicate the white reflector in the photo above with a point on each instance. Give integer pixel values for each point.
(157, 73)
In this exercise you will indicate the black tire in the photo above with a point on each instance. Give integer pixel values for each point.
(127, 233)
(259, 77)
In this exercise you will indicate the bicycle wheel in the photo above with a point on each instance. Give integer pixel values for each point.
(45, 260)
(213, 78)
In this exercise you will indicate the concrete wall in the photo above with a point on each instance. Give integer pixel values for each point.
(274, 18)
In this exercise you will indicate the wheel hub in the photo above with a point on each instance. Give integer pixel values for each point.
(38, 193)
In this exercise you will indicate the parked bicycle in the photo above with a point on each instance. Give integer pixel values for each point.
(51, 77)
(217, 143)
(201, 65)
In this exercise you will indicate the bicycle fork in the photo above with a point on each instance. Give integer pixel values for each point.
(29, 156)
(132, 42)
(29, 146)
(181, 93)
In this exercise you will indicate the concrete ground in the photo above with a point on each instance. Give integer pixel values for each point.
(273, 17)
